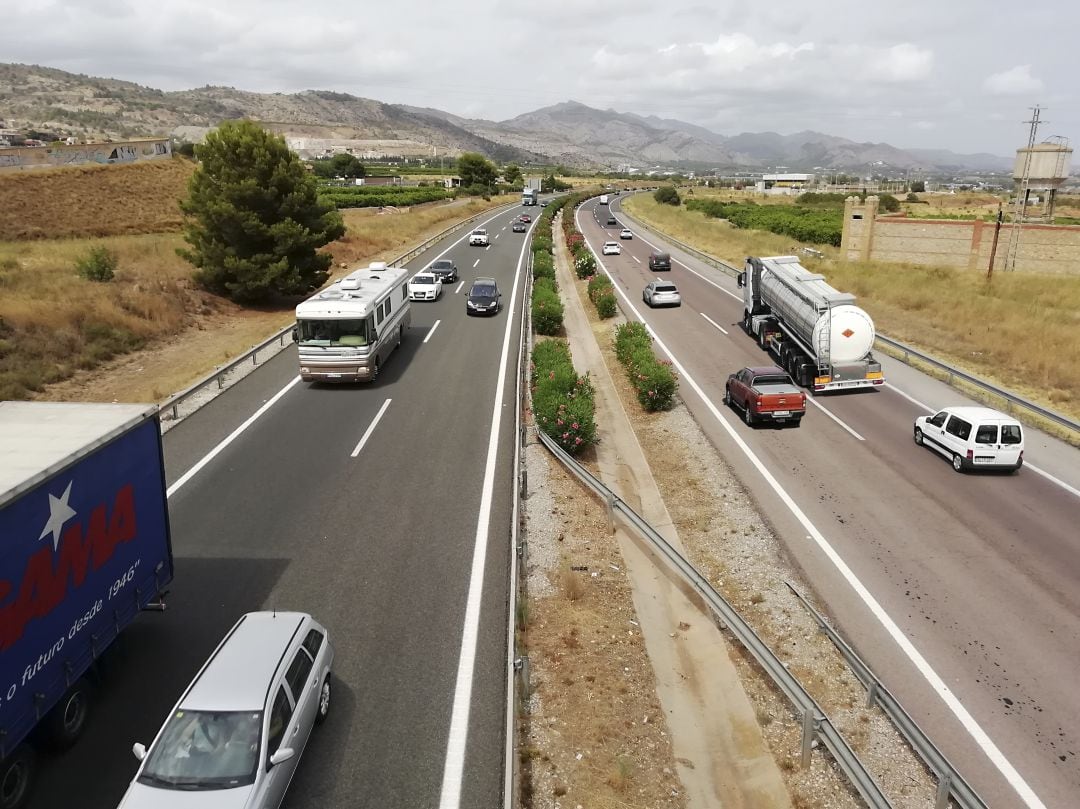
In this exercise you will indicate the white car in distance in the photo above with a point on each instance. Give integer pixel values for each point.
(425, 286)
(478, 237)
(612, 249)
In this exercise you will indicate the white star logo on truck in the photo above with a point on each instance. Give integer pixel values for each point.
(59, 513)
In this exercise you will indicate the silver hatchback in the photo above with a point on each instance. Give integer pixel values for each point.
(236, 735)
(661, 293)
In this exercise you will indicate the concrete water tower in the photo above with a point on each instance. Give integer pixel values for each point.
(1039, 171)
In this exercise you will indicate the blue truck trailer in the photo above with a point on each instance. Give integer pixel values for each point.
(84, 548)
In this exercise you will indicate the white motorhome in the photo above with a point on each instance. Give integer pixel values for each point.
(346, 332)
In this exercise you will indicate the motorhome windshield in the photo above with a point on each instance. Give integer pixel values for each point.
(335, 332)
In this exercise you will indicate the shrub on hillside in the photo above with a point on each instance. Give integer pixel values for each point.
(667, 195)
(653, 379)
(99, 264)
(547, 309)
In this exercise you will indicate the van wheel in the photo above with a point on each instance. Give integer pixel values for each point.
(67, 720)
(918, 436)
(957, 462)
(1016, 468)
(324, 701)
(16, 777)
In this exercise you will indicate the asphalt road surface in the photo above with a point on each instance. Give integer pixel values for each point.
(380, 547)
(961, 591)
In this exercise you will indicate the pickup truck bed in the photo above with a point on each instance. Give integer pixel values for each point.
(765, 394)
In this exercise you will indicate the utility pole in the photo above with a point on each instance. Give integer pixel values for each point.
(993, 247)
(1020, 208)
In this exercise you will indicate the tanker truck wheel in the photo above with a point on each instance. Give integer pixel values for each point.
(16, 776)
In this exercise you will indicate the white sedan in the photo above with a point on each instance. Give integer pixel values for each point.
(661, 293)
(626, 234)
(612, 249)
(425, 286)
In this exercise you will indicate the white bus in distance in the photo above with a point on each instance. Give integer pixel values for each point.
(346, 332)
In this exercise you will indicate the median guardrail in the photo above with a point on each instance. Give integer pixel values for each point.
(950, 783)
(816, 725)
(1012, 401)
(169, 410)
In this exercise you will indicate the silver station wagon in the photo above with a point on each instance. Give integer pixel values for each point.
(235, 737)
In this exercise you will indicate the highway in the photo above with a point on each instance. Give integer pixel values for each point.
(961, 591)
(399, 544)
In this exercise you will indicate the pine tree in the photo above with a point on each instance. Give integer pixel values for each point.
(254, 220)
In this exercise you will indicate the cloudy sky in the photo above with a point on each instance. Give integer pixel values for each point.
(955, 74)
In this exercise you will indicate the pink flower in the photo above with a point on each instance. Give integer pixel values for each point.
(560, 422)
(551, 375)
(577, 441)
(574, 426)
(565, 436)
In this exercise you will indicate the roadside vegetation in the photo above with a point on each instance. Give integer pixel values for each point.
(381, 196)
(55, 323)
(996, 330)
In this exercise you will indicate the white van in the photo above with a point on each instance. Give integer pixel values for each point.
(973, 438)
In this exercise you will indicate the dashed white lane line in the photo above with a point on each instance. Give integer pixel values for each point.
(635, 258)
(434, 326)
(725, 331)
(459, 286)
(476, 262)
(695, 272)
(835, 418)
(371, 427)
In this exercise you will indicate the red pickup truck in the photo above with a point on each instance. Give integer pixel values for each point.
(765, 394)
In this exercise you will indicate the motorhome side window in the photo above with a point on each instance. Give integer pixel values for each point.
(378, 315)
(958, 427)
(405, 292)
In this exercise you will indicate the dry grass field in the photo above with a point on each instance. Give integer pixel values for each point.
(55, 325)
(1019, 330)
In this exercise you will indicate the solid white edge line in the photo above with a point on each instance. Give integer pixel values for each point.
(833, 416)
(188, 475)
(717, 325)
(1027, 465)
(434, 326)
(457, 738)
(985, 743)
(371, 427)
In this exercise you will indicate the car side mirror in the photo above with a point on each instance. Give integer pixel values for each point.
(139, 749)
(282, 754)
(741, 279)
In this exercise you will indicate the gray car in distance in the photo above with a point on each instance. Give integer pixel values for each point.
(235, 737)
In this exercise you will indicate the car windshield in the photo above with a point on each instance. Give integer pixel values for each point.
(667, 289)
(205, 750)
(333, 332)
(483, 291)
(480, 232)
(442, 264)
(424, 279)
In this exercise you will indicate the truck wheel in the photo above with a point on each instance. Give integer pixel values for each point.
(746, 322)
(324, 701)
(761, 341)
(918, 436)
(748, 417)
(16, 776)
(400, 333)
(727, 397)
(67, 720)
(957, 462)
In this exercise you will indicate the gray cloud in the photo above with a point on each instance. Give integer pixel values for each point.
(921, 73)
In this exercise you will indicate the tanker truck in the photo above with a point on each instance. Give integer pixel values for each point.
(817, 333)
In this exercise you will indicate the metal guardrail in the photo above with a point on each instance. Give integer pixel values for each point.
(1012, 400)
(170, 408)
(950, 783)
(815, 724)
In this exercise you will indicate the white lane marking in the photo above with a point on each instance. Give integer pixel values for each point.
(188, 475)
(371, 427)
(695, 272)
(986, 744)
(434, 326)
(486, 247)
(834, 417)
(456, 242)
(504, 227)
(1027, 465)
(459, 286)
(476, 262)
(725, 331)
(454, 767)
(635, 258)
(497, 235)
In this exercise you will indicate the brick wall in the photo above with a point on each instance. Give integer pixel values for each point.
(954, 243)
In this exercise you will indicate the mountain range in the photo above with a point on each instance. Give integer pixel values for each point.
(570, 133)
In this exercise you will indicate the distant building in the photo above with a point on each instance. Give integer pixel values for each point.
(784, 183)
